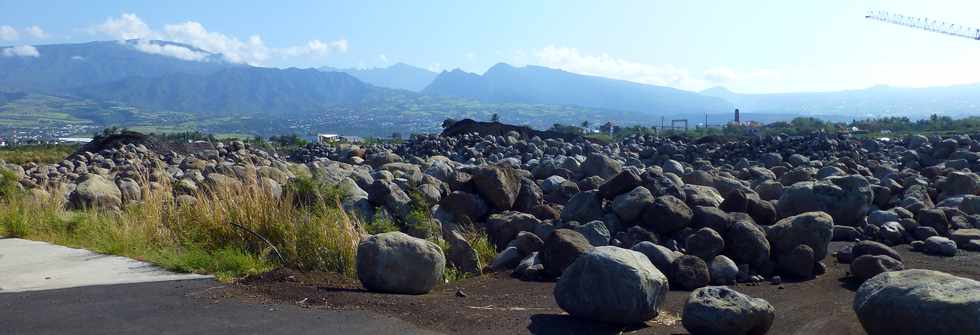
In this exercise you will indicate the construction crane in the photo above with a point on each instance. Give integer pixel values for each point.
(925, 24)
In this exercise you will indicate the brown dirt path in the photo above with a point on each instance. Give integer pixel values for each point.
(498, 304)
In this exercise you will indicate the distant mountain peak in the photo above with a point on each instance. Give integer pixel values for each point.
(505, 83)
(398, 76)
(717, 90)
(501, 67)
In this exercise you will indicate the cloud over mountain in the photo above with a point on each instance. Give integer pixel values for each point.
(252, 50)
(20, 51)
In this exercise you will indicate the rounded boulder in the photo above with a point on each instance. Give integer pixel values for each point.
(918, 302)
(719, 310)
(397, 263)
(612, 284)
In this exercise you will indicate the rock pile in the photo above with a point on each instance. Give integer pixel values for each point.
(706, 211)
(649, 210)
(116, 176)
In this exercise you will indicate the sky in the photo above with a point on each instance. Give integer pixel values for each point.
(749, 46)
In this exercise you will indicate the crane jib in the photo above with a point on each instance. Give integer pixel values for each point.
(925, 24)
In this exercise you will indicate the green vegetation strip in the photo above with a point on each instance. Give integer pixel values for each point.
(41, 154)
(230, 233)
(217, 233)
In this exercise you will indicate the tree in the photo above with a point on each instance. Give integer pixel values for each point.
(606, 128)
(585, 124)
(560, 128)
(495, 118)
(396, 136)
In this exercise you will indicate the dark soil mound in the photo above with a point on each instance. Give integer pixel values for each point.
(152, 142)
(112, 141)
(469, 126)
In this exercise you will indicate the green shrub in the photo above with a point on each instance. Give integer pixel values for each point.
(307, 191)
(9, 186)
(452, 274)
(480, 241)
(380, 224)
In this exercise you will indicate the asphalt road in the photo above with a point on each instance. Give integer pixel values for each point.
(32, 265)
(50, 289)
(174, 307)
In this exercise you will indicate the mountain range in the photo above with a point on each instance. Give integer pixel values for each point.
(160, 84)
(398, 76)
(877, 101)
(542, 85)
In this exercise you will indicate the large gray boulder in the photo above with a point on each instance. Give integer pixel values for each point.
(560, 249)
(798, 262)
(940, 246)
(722, 270)
(596, 232)
(746, 243)
(962, 237)
(846, 199)
(504, 227)
(814, 229)
(865, 267)
(690, 272)
(465, 207)
(601, 165)
(611, 284)
(397, 263)
(130, 190)
(95, 191)
(704, 243)
(628, 206)
(391, 196)
(659, 255)
(623, 182)
(874, 248)
(667, 215)
(583, 207)
(499, 186)
(719, 310)
(918, 302)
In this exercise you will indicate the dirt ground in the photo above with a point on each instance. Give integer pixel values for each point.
(498, 304)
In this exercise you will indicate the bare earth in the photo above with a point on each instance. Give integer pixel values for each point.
(498, 304)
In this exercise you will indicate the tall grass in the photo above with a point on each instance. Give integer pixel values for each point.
(230, 232)
(40, 153)
(480, 241)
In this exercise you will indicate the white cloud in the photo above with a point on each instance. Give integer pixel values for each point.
(315, 48)
(20, 51)
(435, 67)
(383, 59)
(252, 50)
(604, 65)
(36, 32)
(8, 33)
(77, 58)
(171, 50)
(126, 27)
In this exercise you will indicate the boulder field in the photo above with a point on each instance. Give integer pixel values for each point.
(616, 224)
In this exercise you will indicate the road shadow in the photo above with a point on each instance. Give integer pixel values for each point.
(555, 324)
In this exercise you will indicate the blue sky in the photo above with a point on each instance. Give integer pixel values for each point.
(748, 46)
